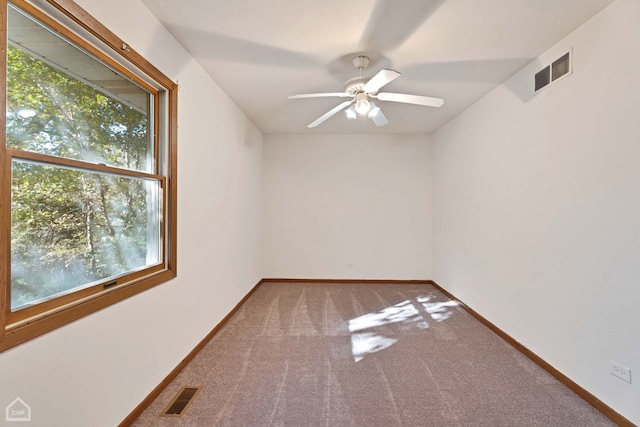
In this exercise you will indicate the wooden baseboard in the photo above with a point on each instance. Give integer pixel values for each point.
(392, 282)
(584, 394)
(174, 373)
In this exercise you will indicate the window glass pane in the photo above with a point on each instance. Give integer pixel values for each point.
(71, 228)
(63, 102)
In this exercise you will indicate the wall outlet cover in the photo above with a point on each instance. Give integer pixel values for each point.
(620, 371)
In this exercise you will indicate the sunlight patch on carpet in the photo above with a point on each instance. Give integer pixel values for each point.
(405, 315)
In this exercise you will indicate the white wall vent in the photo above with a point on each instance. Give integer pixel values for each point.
(543, 77)
(558, 69)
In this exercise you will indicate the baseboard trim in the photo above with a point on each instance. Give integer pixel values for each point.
(584, 394)
(174, 373)
(577, 389)
(392, 282)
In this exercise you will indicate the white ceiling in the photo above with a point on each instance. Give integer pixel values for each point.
(261, 51)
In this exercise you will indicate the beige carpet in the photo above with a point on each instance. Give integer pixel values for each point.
(365, 355)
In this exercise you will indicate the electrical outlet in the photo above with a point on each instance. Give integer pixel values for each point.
(620, 371)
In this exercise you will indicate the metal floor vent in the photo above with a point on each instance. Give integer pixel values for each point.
(181, 402)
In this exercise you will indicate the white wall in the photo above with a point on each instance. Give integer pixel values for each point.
(94, 371)
(332, 200)
(537, 202)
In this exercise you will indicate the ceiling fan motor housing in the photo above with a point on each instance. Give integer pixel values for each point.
(355, 85)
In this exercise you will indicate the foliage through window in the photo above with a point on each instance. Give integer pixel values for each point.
(89, 153)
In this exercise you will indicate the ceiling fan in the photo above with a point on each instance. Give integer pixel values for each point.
(363, 91)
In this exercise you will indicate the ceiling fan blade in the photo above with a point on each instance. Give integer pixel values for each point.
(330, 113)
(391, 23)
(319, 95)
(379, 118)
(427, 101)
(382, 78)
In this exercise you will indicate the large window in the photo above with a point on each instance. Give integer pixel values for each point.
(87, 209)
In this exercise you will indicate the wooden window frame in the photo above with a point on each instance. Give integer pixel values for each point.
(89, 34)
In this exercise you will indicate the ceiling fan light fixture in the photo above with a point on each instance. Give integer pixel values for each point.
(374, 110)
(351, 112)
(362, 103)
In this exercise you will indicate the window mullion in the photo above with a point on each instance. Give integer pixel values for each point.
(79, 164)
